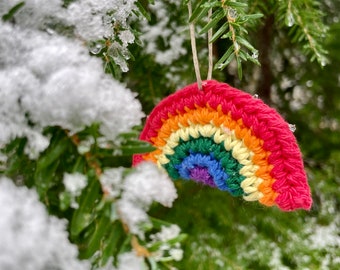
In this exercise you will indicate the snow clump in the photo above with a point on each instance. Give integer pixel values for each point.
(52, 81)
(172, 35)
(140, 188)
(95, 19)
(37, 14)
(30, 238)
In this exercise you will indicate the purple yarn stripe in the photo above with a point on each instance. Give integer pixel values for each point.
(201, 174)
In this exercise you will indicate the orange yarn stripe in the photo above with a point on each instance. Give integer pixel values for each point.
(217, 117)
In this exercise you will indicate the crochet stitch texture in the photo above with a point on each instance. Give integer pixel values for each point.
(226, 138)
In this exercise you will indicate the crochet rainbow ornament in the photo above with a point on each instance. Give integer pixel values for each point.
(226, 138)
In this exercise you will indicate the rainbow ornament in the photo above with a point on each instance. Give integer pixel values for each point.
(225, 138)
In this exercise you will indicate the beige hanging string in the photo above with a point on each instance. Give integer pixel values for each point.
(210, 48)
(194, 49)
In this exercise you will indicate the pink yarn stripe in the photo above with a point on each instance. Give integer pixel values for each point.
(266, 124)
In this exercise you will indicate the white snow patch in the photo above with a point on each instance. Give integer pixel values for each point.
(95, 19)
(172, 35)
(167, 233)
(111, 181)
(130, 261)
(52, 81)
(34, 13)
(149, 184)
(140, 189)
(30, 238)
(325, 236)
(74, 183)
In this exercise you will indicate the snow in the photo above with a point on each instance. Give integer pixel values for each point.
(119, 53)
(164, 236)
(325, 236)
(137, 191)
(95, 19)
(141, 188)
(166, 233)
(149, 184)
(176, 254)
(34, 13)
(92, 20)
(52, 81)
(74, 184)
(30, 238)
(111, 181)
(133, 215)
(129, 261)
(173, 35)
(126, 261)
(126, 37)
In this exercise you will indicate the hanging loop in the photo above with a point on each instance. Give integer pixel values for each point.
(210, 48)
(193, 48)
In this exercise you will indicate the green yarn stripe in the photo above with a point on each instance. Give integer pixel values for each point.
(207, 146)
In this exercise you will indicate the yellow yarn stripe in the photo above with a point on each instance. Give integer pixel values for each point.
(231, 143)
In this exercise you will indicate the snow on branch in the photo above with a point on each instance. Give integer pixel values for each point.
(49, 80)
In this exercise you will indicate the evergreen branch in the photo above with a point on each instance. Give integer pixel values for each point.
(311, 40)
(228, 20)
(236, 17)
(231, 19)
(305, 18)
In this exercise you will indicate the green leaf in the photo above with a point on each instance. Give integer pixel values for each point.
(253, 59)
(244, 42)
(226, 56)
(180, 238)
(227, 35)
(253, 16)
(158, 223)
(219, 32)
(9, 15)
(198, 13)
(227, 62)
(44, 179)
(65, 200)
(58, 146)
(198, 9)
(237, 5)
(47, 164)
(129, 135)
(18, 159)
(217, 16)
(83, 216)
(239, 68)
(142, 11)
(243, 55)
(139, 148)
(101, 229)
(112, 244)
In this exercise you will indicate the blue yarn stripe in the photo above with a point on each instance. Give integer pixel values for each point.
(214, 167)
